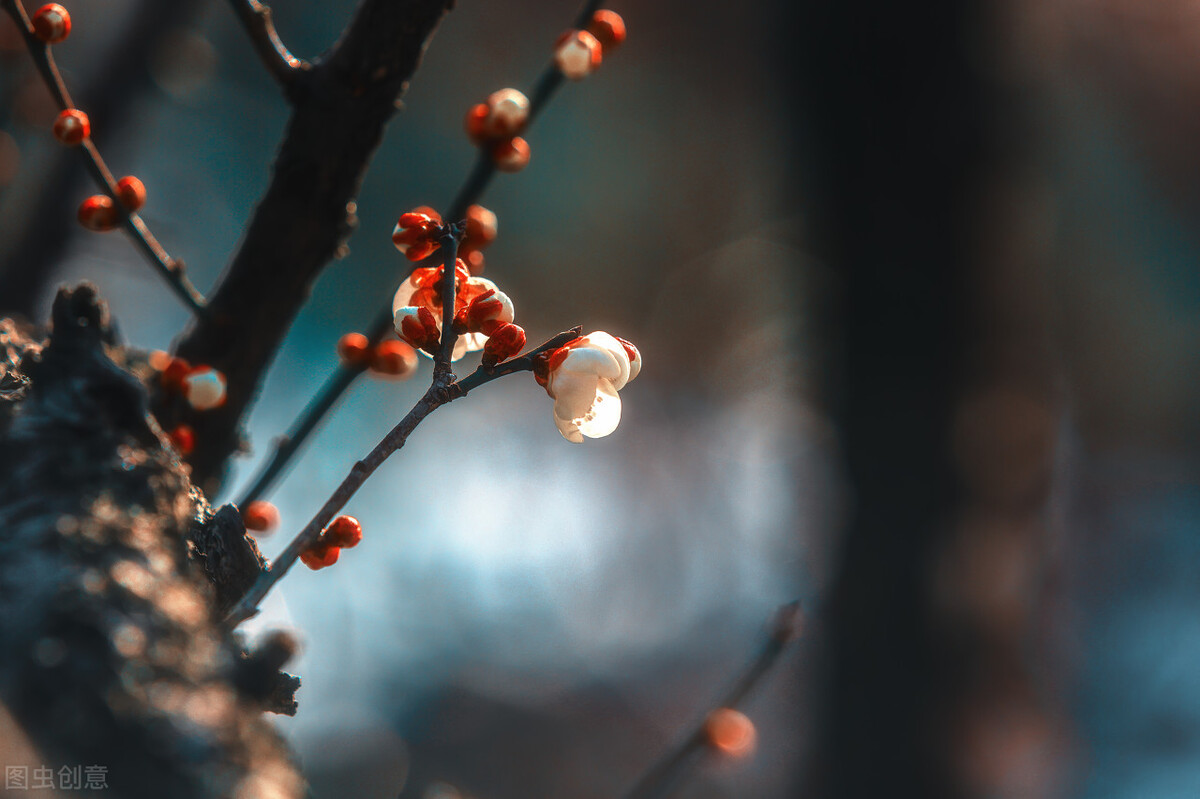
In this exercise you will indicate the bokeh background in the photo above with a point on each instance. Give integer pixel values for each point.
(547, 623)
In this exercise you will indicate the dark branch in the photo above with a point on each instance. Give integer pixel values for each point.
(340, 109)
(667, 771)
(171, 269)
(256, 19)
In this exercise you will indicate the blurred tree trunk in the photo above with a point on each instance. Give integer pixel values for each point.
(943, 398)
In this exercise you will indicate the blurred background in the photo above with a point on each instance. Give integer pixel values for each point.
(917, 296)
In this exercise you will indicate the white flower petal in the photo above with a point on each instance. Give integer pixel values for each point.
(569, 430)
(573, 393)
(604, 415)
(603, 341)
(403, 295)
(593, 361)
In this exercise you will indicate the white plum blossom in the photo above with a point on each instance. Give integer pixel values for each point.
(204, 388)
(584, 377)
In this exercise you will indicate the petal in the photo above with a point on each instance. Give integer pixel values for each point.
(573, 393)
(610, 344)
(403, 295)
(604, 415)
(569, 430)
(596, 361)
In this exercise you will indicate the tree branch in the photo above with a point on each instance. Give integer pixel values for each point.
(666, 772)
(171, 269)
(279, 61)
(340, 109)
(441, 391)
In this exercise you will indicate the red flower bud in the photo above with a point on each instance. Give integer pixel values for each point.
(344, 531)
(577, 54)
(174, 373)
(184, 439)
(71, 127)
(51, 23)
(511, 155)
(353, 348)
(503, 343)
(608, 28)
(394, 359)
(131, 192)
(260, 516)
(320, 555)
(98, 213)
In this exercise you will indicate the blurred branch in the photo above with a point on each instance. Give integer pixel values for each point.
(340, 109)
(344, 375)
(256, 19)
(171, 269)
(665, 773)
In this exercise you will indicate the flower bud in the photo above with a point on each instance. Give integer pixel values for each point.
(71, 127)
(730, 732)
(319, 556)
(353, 348)
(98, 213)
(511, 155)
(418, 327)
(344, 531)
(51, 23)
(394, 359)
(503, 116)
(416, 233)
(184, 439)
(577, 54)
(131, 192)
(260, 516)
(481, 228)
(204, 388)
(608, 28)
(506, 341)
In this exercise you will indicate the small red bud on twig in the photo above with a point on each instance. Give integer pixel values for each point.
(131, 192)
(260, 516)
(98, 213)
(71, 127)
(51, 23)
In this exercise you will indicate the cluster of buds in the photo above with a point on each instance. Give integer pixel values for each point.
(583, 377)
(202, 386)
(343, 532)
(483, 315)
(495, 125)
(394, 359)
(99, 212)
(578, 53)
(51, 23)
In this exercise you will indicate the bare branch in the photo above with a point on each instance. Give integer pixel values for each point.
(171, 269)
(279, 61)
(666, 772)
(340, 109)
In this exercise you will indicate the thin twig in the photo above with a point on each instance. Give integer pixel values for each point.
(171, 269)
(666, 772)
(441, 391)
(471, 191)
(441, 362)
(279, 61)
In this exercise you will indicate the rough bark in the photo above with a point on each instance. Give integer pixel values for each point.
(113, 653)
(340, 110)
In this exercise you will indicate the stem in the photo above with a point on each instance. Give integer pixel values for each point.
(666, 772)
(171, 269)
(256, 19)
(441, 362)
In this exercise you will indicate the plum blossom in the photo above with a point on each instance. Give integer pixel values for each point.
(583, 377)
(480, 308)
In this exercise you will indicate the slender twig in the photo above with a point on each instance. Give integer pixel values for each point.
(279, 61)
(441, 361)
(170, 268)
(667, 771)
(471, 191)
(442, 390)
